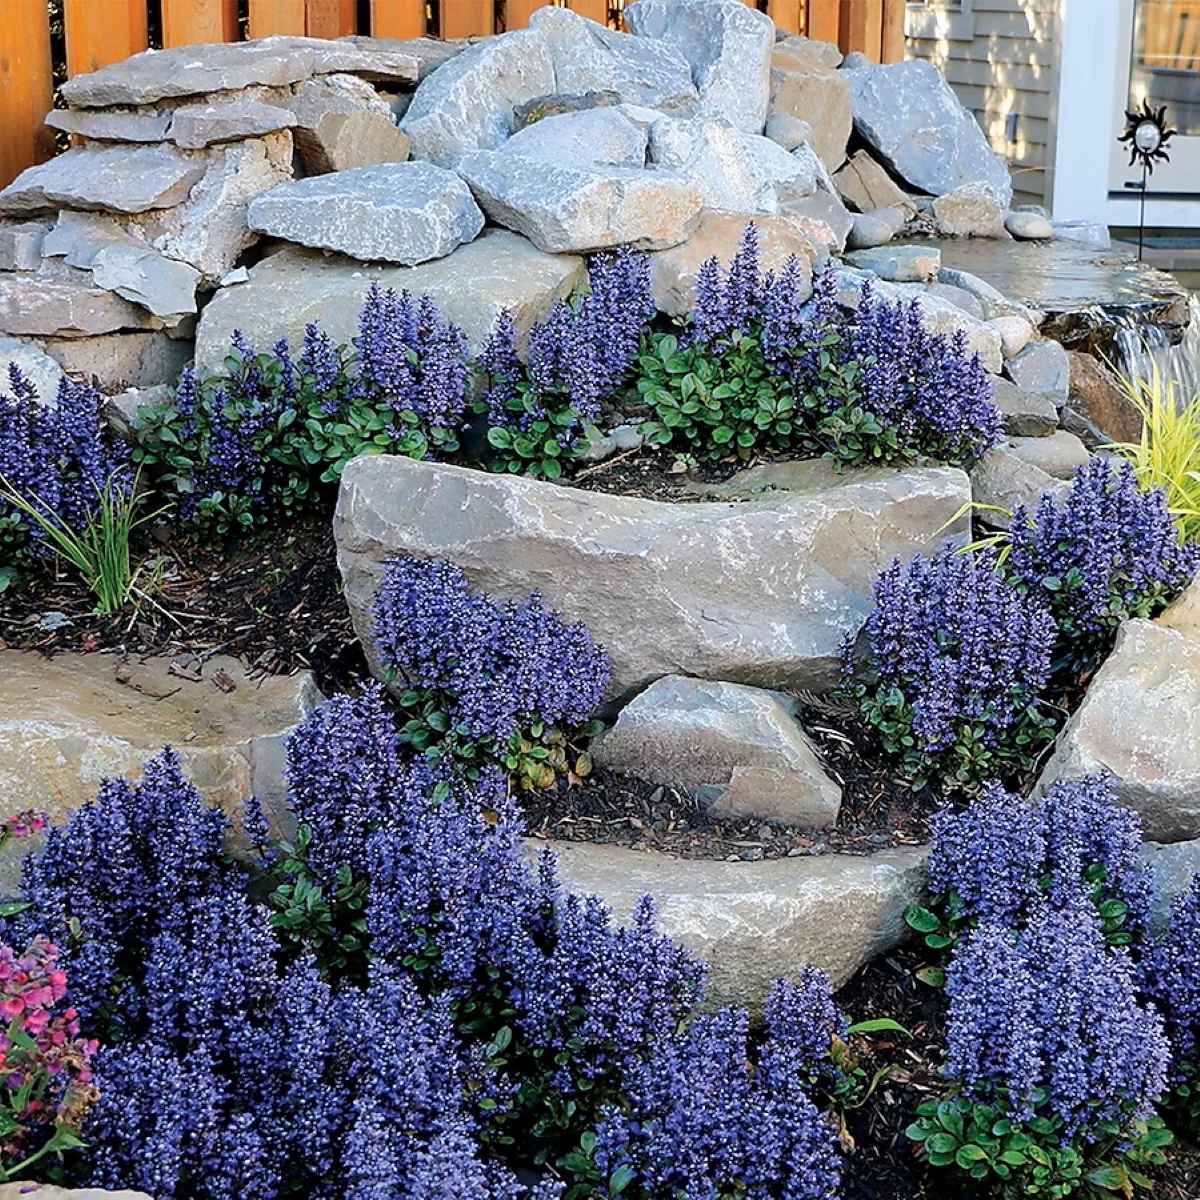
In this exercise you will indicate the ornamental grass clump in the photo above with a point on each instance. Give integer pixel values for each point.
(956, 658)
(1106, 552)
(486, 680)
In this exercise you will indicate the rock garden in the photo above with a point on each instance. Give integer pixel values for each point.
(559, 642)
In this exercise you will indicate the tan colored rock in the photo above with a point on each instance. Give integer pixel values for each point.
(34, 306)
(673, 272)
(972, 210)
(1183, 614)
(1096, 395)
(822, 218)
(754, 923)
(1015, 333)
(1058, 455)
(120, 360)
(343, 141)
(815, 94)
(899, 264)
(865, 185)
(808, 52)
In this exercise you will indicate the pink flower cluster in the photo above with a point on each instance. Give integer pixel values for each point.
(22, 824)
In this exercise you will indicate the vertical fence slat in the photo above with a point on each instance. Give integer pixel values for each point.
(516, 12)
(594, 10)
(26, 88)
(873, 34)
(467, 18)
(276, 16)
(892, 48)
(398, 18)
(188, 22)
(822, 20)
(786, 14)
(99, 34)
(852, 26)
(330, 18)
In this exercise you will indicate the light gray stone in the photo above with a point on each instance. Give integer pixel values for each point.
(467, 104)
(1015, 333)
(739, 751)
(77, 237)
(404, 213)
(788, 131)
(822, 218)
(673, 272)
(758, 592)
(315, 98)
(1090, 233)
(825, 55)
(1002, 479)
(735, 171)
(1026, 414)
(899, 264)
(1029, 226)
(471, 286)
(610, 136)
(1172, 867)
(1043, 368)
(995, 303)
(866, 186)
(21, 245)
(48, 1191)
(195, 126)
(588, 56)
(913, 121)
(728, 47)
(541, 107)
(569, 209)
(122, 179)
(959, 297)
(1138, 720)
(122, 360)
(803, 89)
(32, 306)
(755, 922)
(37, 366)
(344, 141)
(1058, 454)
(111, 125)
(163, 285)
(867, 232)
(121, 411)
(971, 210)
(273, 61)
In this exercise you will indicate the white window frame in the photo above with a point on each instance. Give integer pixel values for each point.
(940, 19)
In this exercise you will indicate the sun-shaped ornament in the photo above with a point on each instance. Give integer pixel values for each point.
(1147, 133)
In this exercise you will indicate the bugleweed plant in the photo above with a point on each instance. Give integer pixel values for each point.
(955, 660)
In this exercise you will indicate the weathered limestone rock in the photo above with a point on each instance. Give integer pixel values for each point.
(899, 264)
(21, 245)
(608, 136)
(1003, 479)
(738, 750)
(33, 306)
(1043, 368)
(735, 171)
(163, 285)
(1015, 332)
(275, 61)
(970, 210)
(588, 56)
(912, 119)
(122, 179)
(868, 232)
(77, 237)
(1095, 393)
(75, 719)
(726, 44)
(568, 209)
(789, 132)
(289, 289)
(121, 360)
(865, 185)
(109, 125)
(195, 126)
(803, 89)
(1029, 226)
(541, 107)
(959, 298)
(810, 52)
(1025, 413)
(392, 212)
(822, 217)
(759, 592)
(673, 272)
(467, 104)
(755, 922)
(344, 141)
(1172, 866)
(995, 303)
(37, 366)
(1058, 455)
(48, 1191)
(1138, 720)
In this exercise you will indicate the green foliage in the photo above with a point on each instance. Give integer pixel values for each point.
(542, 433)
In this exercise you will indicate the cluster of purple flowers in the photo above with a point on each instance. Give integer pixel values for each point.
(1170, 974)
(56, 455)
(1106, 552)
(957, 657)
(497, 667)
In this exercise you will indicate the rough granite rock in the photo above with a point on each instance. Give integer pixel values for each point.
(789, 132)
(607, 136)
(1015, 332)
(995, 303)
(467, 104)
(959, 297)
(673, 272)
(822, 217)
(1003, 479)
(1043, 368)
(1138, 720)
(728, 47)
(195, 126)
(121, 179)
(912, 120)
(971, 210)
(758, 592)
(1058, 455)
(73, 720)
(344, 141)
(570, 209)
(1173, 867)
(805, 90)
(753, 922)
(403, 213)
(34, 363)
(738, 751)
(289, 289)
(866, 186)
(1095, 393)
(869, 232)
(163, 285)
(273, 61)
(588, 56)
(34, 306)
(1025, 414)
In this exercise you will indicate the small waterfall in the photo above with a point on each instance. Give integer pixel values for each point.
(1143, 346)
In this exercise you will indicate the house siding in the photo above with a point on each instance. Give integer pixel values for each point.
(1008, 66)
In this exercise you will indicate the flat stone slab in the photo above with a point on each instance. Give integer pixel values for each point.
(75, 719)
(758, 586)
(121, 179)
(899, 264)
(100, 125)
(739, 751)
(274, 61)
(195, 126)
(403, 213)
(296, 286)
(753, 923)
(31, 306)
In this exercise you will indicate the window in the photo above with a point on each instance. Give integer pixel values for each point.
(947, 20)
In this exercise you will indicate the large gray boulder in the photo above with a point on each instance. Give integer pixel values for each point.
(392, 212)
(609, 136)
(468, 102)
(913, 121)
(753, 923)
(728, 47)
(296, 286)
(759, 586)
(739, 751)
(563, 209)
(588, 56)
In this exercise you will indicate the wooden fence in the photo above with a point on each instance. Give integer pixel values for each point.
(45, 41)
